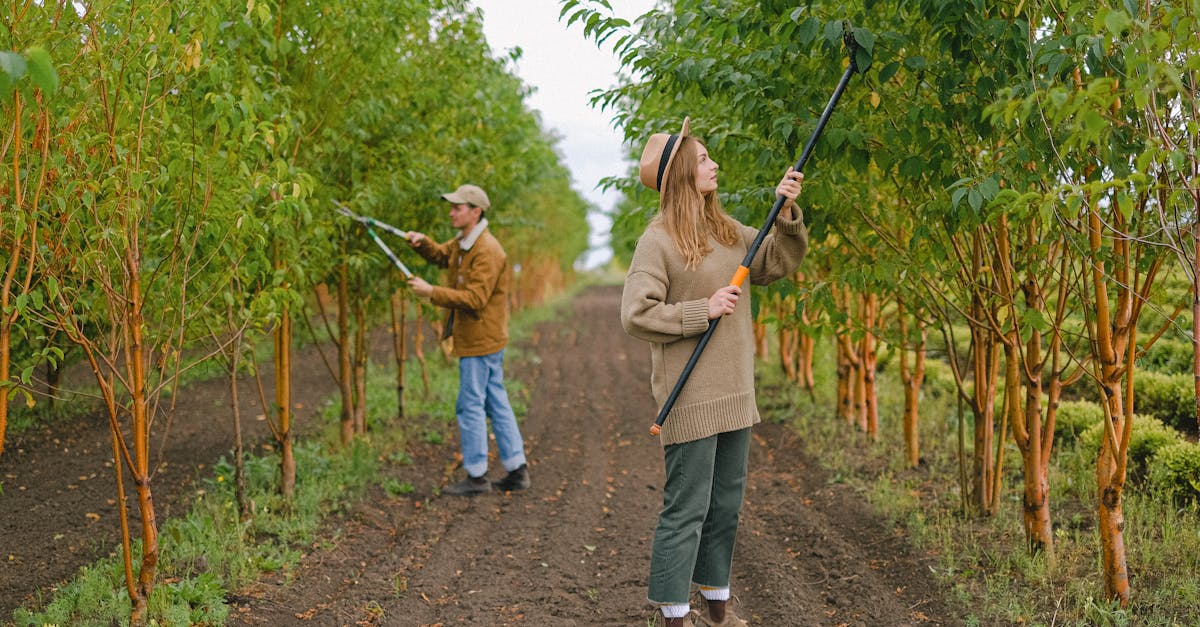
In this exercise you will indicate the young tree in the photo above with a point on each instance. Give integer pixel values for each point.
(26, 81)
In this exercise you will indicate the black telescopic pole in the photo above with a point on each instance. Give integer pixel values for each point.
(744, 270)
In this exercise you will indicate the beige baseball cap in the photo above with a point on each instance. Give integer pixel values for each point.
(470, 194)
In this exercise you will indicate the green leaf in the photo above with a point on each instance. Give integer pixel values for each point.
(975, 199)
(865, 39)
(12, 68)
(41, 70)
(833, 32)
(957, 196)
(862, 59)
(889, 71)
(1116, 21)
(808, 30)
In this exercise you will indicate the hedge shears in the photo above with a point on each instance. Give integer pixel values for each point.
(369, 223)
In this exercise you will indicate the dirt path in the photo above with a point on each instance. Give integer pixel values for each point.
(574, 550)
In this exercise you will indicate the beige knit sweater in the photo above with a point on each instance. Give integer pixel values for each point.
(666, 304)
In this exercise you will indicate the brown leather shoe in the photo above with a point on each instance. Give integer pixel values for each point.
(731, 619)
(686, 621)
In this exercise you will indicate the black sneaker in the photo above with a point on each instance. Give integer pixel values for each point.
(515, 480)
(468, 487)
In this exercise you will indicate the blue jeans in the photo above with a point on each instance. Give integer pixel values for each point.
(481, 395)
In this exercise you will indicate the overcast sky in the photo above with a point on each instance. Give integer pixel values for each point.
(564, 67)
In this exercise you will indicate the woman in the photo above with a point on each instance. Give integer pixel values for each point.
(678, 281)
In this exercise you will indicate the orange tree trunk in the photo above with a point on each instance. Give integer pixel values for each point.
(870, 308)
(1033, 435)
(239, 453)
(806, 345)
(141, 437)
(419, 348)
(345, 377)
(848, 363)
(985, 367)
(760, 338)
(985, 373)
(5, 332)
(1113, 333)
(24, 208)
(804, 359)
(1029, 437)
(912, 378)
(788, 356)
(859, 381)
(843, 381)
(399, 310)
(283, 402)
(1195, 312)
(788, 339)
(360, 367)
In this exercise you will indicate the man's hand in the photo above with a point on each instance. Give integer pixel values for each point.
(420, 286)
(415, 239)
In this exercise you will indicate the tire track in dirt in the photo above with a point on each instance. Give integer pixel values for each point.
(574, 550)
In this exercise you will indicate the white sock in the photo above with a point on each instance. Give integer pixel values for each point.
(675, 611)
(715, 594)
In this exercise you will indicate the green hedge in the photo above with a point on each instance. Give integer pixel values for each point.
(1176, 471)
(1167, 357)
(939, 379)
(1073, 418)
(1169, 397)
(1149, 436)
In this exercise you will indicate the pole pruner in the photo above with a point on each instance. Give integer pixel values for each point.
(744, 270)
(372, 222)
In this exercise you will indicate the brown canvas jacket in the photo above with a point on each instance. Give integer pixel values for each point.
(476, 292)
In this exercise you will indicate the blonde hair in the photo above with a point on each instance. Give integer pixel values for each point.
(689, 217)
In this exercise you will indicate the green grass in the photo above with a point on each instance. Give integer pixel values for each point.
(982, 562)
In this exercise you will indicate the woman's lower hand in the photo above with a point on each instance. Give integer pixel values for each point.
(722, 302)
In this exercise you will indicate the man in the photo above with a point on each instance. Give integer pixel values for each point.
(476, 300)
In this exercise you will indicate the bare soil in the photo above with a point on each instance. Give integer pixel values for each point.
(573, 550)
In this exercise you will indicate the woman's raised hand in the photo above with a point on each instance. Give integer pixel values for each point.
(790, 188)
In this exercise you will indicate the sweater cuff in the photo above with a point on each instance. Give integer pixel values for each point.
(695, 317)
(791, 227)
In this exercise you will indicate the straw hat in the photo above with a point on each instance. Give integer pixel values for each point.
(656, 158)
(468, 194)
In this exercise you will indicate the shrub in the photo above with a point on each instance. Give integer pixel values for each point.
(939, 379)
(1176, 471)
(1073, 418)
(1149, 435)
(1168, 357)
(1169, 397)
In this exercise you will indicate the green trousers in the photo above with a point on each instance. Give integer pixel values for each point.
(693, 542)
